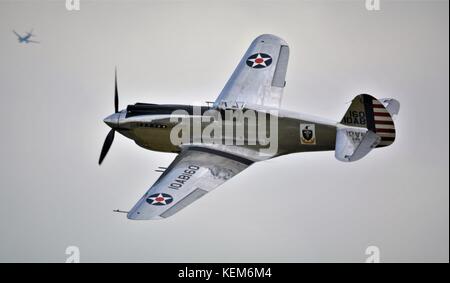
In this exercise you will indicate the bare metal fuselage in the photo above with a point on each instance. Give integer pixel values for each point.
(150, 126)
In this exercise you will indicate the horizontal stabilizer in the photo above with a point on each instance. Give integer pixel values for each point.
(391, 105)
(353, 143)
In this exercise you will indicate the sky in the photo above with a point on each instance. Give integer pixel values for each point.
(305, 207)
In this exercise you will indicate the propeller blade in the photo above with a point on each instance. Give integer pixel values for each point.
(110, 137)
(116, 93)
(106, 145)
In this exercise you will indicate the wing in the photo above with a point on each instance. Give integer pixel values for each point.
(259, 79)
(33, 41)
(18, 35)
(195, 172)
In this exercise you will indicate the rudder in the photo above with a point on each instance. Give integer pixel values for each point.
(368, 112)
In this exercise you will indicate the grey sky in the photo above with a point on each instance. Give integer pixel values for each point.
(302, 207)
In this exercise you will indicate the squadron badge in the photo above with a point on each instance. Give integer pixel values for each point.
(160, 199)
(307, 134)
(259, 60)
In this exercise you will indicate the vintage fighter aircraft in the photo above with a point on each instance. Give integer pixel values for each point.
(256, 85)
(25, 38)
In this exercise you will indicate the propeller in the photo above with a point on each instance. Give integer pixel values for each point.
(106, 145)
(116, 93)
(110, 137)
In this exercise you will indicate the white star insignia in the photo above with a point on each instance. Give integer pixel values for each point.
(159, 199)
(259, 60)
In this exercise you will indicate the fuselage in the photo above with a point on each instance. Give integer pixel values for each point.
(168, 128)
(24, 39)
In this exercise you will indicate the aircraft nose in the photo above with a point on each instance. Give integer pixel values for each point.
(112, 120)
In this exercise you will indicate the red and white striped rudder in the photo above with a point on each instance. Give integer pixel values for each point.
(368, 112)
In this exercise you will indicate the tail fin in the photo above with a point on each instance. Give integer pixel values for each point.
(367, 124)
(368, 112)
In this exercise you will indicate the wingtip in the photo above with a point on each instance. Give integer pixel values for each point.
(271, 37)
(140, 217)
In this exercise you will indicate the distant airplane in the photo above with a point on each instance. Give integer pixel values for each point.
(25, 38)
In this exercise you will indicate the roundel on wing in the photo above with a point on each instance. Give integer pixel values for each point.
(259, 60)
(159, 199)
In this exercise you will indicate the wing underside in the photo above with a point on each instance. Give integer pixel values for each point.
(195, 172)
